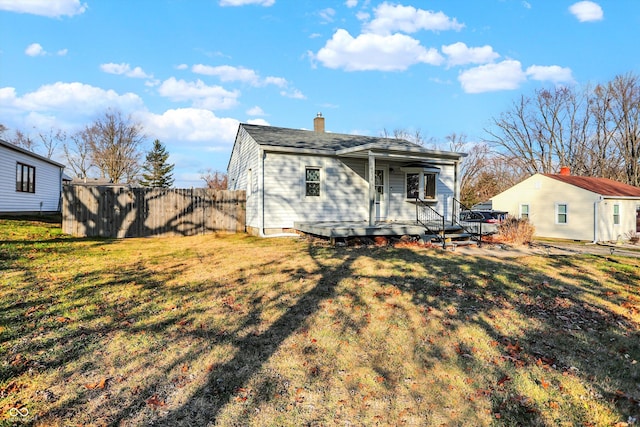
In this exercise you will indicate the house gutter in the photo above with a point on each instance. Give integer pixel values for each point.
(261, 229)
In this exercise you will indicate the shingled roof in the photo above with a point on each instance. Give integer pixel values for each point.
(297, 138)
(602, 186)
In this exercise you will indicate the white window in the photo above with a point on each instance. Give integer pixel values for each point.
(312, 182)
(562, 213)
(616, 214)
(524, 211)
(420, 183)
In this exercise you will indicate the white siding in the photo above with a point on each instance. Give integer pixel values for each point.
(48, 184)
(245, 164)
(607, 230)
(543, 194)
(343, 190)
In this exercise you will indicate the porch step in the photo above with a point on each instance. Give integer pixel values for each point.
(458, 239)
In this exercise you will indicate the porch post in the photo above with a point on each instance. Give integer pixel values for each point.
(372, 189)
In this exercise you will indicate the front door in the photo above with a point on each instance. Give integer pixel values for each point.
(638, 219)
(382, 188)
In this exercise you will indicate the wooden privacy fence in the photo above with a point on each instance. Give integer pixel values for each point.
(97, 211)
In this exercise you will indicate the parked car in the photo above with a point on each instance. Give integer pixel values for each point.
(486, 222)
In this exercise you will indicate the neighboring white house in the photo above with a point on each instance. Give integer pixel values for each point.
(574, 207)
(293, 176)
(29, 183)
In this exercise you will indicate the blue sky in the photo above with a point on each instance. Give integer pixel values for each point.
(190, 70)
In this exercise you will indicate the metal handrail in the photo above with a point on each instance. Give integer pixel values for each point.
(476, 232)
(428, 217)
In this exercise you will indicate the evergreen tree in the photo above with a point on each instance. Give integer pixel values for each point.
(157, 172)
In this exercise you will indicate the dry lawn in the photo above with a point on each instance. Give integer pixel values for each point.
(232, 330)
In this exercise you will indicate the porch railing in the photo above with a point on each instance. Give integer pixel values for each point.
(473, 228)
(430, 219)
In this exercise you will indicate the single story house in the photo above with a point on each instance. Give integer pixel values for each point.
(295, 177)
(29, 183)
(564, 206)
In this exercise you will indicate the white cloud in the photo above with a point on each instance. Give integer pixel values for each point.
(587, 11)
(505, 75)
(255, 111)
(526, 5)
(460, 54)
(552, 73)
(124, 70)
(375, 52)
(265, 3)
(182, 67)
(75, 101)
(199, 94)
(190, 124)
(62, 52)
(260, 122)
(351, 3)
(293, 93)
(327, 14)
(49, 8)
(390, 18)
(228, 73)
(35, 49)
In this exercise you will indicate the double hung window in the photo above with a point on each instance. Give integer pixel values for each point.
(312, 182)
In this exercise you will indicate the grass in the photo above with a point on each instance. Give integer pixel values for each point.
(232, 330)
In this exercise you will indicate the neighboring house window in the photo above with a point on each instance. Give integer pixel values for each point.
(421, 184)
(616, 214)
(561, 213)
(25, 178)
(524, 211)
(312, 182)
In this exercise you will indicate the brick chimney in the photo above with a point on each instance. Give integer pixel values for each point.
(565, 170)
(318, 123)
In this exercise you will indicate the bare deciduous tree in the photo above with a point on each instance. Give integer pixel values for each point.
(21, 139)
(115, 143)
(51, 140)
(78, 154)
(214, 180)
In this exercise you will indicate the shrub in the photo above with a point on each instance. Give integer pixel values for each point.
(516, 230)
(632, 237)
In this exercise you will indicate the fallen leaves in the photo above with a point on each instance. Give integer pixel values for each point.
(155, 402)
(99, 385)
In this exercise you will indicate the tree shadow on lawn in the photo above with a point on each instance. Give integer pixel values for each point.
(569, 330)
(564, 333)
(531, 319)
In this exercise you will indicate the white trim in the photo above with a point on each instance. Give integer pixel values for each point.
(321, 180)
(613, 216)
(528, 205)
(557, 213)
(421, 172)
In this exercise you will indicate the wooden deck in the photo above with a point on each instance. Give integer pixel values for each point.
(339, 229)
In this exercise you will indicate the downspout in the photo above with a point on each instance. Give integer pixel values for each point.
(596, 209)
(261, 229)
